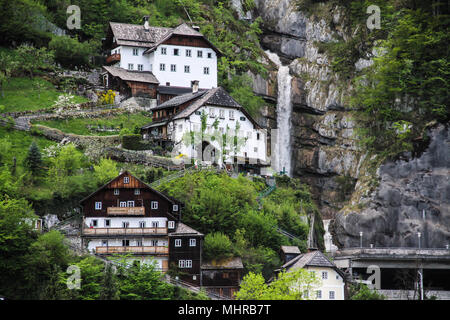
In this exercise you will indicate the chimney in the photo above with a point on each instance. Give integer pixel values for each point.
(196, 28)
(194, 85)
(146, 26)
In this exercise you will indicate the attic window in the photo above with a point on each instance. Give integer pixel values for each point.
(176, 52)
(199, 54)
(209, 55)
(242, 118)
(126, 180)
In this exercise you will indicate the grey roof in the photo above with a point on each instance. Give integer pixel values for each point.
(290, 249)
(136, 35)
(232, 263)
(128, 75)
(155, 124)
(176, 91)
(311, 259)
(179, 100)
(183, 229)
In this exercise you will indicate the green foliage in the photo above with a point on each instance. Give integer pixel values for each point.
(293, 285)
(362, 292)
(133, 142)
(105, 171)
(33, 161)
(240, 88)
(217, 246)
(70, 53)
(32, 59)
(109, 289)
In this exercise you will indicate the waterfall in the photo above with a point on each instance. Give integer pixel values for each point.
(281, 152)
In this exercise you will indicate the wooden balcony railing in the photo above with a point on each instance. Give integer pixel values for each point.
(115, 57)
(126, 211)
(123, 249)
(123, 231)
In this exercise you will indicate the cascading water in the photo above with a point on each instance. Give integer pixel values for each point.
(281, 153)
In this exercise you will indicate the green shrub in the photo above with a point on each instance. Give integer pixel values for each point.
(217, 246)
(69, 52)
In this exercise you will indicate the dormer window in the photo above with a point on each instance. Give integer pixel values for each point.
(126, 179)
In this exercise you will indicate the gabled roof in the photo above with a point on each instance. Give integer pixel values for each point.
(184, 230)
(181, 30)
(179, 100)
(136, 35)
(168, 198)
(311, 259)
(128, 75)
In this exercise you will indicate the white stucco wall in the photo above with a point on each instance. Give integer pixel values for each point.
(193, 123)
(179, 78)
(334, 282)
(116, 222)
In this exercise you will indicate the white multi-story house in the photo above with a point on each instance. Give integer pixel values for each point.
(178, 123)
(174, 56)
(331, 278)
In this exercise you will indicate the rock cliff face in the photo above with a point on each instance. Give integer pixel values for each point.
(325, 152)
(413, 196)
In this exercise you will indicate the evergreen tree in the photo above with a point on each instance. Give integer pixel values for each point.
(34, 159)
(109, 290)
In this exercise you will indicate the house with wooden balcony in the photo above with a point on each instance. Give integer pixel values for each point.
(127, 216)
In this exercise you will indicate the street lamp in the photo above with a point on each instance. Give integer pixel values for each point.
(360, 239)
(418, 235)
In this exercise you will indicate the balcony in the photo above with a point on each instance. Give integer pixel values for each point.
(139, 250)
(126, 211)
(115, 57)
(124, 231)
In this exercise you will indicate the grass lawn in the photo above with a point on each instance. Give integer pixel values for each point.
(80, 125)
(21, 94)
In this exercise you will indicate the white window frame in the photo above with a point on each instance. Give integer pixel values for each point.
(177, 243)
(135, 51)
(171, 224)
(94, 223)
(130, 203)
(319, 294)
(98, 205)
(324, 275)
(131, 66)
(154, 205)
(162, 67)
(188, 264)
(155, 224)
(221, 114)
(126, 180)
(122, 204)
(137, 191)
(175, 207)
(177, 51)
(125, 224)
(188, 53)
(181, 263)
(107, 223)
(187, 69)
(163, 50)
(104, 243)
(199, 54)
(141, 224)
(206, 70)
(116, 192)
(231, 114)
(140, 67)
(209, 55)
(332, 295)
(173, 68)
(192, 242)
(138, 243)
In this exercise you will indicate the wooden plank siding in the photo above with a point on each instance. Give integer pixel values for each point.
(106, 196)
(186, 252)
(188, 42)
